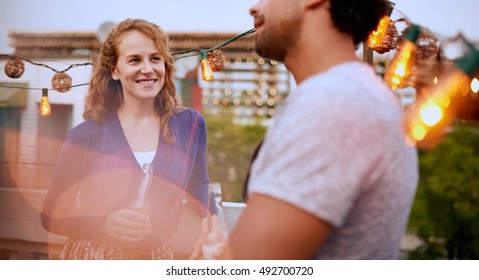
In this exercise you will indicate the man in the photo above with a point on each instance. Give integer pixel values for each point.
(333, 178)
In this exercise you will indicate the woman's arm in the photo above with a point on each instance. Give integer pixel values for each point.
(61, 213)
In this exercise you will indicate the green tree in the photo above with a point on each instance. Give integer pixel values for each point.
(230, 146)
(445, 214)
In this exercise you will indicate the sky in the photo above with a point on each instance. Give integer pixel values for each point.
(443, 17)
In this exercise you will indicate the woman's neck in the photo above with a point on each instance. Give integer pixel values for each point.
(141, 129)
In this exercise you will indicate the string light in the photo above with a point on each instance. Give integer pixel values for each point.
(397, 75)
(399, 70)
(206, 71)
(45, 108)
(211, 59)
(62, 82)
(435, 109)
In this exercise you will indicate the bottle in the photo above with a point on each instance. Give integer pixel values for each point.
(141, 204)
(216, 233)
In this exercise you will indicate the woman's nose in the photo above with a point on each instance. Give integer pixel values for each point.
(146, 67)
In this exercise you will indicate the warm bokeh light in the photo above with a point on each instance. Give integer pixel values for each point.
(435, 109)
(399, 70)
(431, 112)
(475, 85)
(376, 37)
(418, 132)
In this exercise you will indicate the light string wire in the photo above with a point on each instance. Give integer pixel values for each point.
(199, 50)
(45, 65)
(401, 17)
(3, 56)
(30, 88)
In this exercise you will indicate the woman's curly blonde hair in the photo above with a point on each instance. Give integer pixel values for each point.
(105, 95)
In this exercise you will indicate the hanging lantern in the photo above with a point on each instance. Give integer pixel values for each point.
(385, 37)
(61, 82)
(428, 61)
(390, 41)
(14, 68)
(216, 60)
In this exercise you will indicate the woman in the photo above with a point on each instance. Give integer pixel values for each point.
(132, 118)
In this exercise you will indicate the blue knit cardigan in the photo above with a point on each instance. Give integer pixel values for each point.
(97, 173)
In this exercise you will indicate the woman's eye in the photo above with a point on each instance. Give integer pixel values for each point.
(156, 58)
(133, 60)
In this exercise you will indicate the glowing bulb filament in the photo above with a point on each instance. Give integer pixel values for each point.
(45, 109)
(206, 70)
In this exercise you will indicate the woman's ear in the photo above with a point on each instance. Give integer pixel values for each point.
(114, 76)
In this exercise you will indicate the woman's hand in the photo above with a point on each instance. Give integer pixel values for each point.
(128, 226)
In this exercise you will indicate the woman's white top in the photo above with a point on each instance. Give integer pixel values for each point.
(144, 157)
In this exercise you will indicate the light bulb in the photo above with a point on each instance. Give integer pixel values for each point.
(431, 112)
(206, 71)
(475, 85)
(45, 109)
(437, 107)
(399, 71)
(376, 37)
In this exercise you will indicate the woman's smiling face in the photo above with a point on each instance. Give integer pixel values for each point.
(140, 67)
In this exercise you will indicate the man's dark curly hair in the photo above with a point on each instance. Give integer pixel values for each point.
(358, 17)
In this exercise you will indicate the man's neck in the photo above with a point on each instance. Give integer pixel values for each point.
(320, 46)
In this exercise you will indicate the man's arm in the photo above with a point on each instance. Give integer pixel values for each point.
(273, 229)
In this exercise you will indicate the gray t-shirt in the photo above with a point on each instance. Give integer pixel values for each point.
(336, 150)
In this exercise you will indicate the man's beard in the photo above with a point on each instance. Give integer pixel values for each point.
(276, 41)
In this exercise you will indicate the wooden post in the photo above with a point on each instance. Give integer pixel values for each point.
(367, 54)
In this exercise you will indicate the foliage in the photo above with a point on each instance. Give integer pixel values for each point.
(230, 146)
(445, 214)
